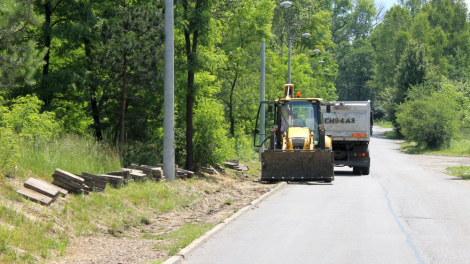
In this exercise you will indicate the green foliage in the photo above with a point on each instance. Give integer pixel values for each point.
(25, 119)
(211, 142)
(9, 152)
(431, 122)
(19, 54)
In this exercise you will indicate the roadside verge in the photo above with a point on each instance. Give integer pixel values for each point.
(180, 256)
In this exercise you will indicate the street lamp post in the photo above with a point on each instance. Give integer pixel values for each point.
(287, 4)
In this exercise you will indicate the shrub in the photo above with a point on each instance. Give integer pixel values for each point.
(211, 143)
(25, 119)
(431, 121)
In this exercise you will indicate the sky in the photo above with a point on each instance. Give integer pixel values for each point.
(390, 3)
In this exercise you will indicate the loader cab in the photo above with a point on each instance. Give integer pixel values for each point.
(275, 118)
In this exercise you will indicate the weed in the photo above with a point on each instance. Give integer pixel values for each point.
(462, 172)
(384, 124)
(182, 237)
(454, 148)
(392, 134)
(228, 202)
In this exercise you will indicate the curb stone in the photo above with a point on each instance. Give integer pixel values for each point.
(179, 257)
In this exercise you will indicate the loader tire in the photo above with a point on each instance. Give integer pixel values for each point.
(365, 170)
(357, 170)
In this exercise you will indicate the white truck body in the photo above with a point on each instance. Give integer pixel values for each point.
(349, 125)
(348, 120)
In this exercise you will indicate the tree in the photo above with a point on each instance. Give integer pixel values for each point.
(19, 57)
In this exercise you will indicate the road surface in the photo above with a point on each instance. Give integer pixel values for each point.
(400, 213)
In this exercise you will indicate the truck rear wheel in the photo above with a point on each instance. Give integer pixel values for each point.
(357, 170)
(365, 170)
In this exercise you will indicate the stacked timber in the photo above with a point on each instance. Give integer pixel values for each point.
(235, 165)
(183, 174)
(209, 170)
(69, 181)
(100, 180)
(154, 173)
(219, 168)
(95, 183)
(41, 191)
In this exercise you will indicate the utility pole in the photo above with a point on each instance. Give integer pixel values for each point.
(169, 95)
(262, 84)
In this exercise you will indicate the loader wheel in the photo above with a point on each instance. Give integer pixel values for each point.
(357, 170)
(365, 170)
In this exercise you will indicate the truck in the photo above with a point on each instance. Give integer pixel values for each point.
(291, 131)
(349, 123)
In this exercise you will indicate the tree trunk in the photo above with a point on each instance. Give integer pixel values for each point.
(47, 31)
(122, 121)
(230, 107)
(95, 111)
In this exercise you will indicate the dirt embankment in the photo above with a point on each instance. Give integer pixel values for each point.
(131, 247)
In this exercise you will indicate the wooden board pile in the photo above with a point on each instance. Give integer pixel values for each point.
(235, 165)
(70, 182)
(219, 168)
(41, 191)
(144, 172)
(209, 170)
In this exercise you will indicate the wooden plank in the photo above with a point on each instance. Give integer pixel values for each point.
(137, 176)
(123, 173)
(112, 178)
(42, 187)
(72, 184)
(97, 181)
(35, 196)
(68, 175)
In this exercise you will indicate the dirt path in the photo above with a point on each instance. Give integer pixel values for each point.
(131, 247)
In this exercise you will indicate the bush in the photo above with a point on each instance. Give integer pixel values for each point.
(431, 121)
(211, 143)
(8, 150)
(25, 119)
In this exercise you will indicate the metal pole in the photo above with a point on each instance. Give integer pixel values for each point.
(169, 95)
(289, 62)
(261, 96)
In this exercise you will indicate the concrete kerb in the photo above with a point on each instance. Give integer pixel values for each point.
(179, 257)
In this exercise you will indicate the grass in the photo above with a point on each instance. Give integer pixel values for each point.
(460, 148)
(71, 153)
(23, 240)
(182, 237)
(392, 134)
(131, 205)
(462, 172)
(384, 124)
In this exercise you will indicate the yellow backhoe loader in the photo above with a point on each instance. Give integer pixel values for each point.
(292, 134)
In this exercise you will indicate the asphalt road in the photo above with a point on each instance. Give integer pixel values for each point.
(401, 213)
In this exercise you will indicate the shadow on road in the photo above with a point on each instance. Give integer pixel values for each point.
(310, 183)
(345, 174)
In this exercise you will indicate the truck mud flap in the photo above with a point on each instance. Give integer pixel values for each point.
(294, 165)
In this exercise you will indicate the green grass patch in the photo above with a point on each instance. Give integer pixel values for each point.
(23, 240)
(392, 134)
(182, 237)
(384, 124)
(71, 153)
(460, 148)
(130, 205)
(462, 172)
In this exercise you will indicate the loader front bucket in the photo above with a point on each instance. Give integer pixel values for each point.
(297, 165)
